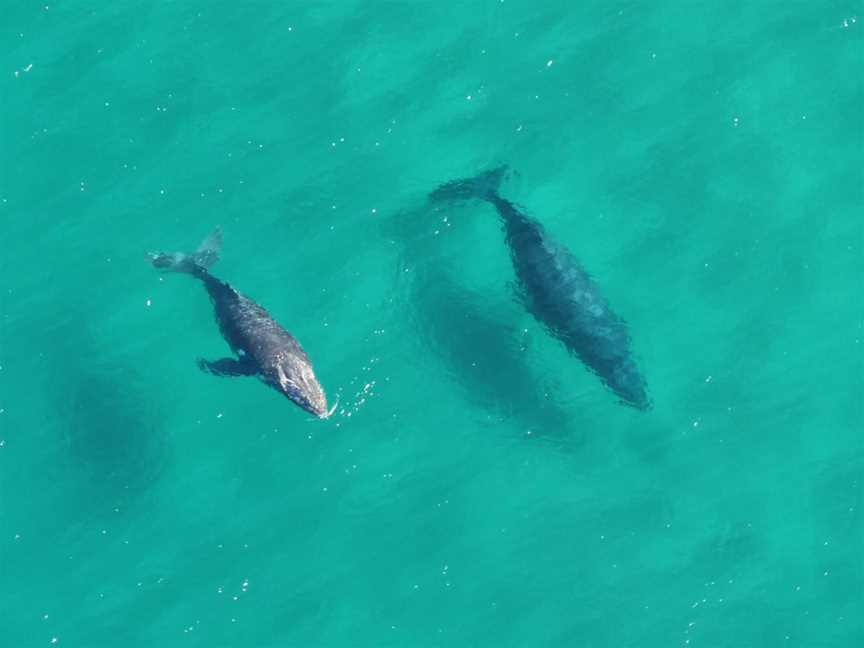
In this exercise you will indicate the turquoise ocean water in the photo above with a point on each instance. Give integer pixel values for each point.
(476, 486)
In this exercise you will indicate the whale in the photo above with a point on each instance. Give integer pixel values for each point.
(558, 291)
(262, 347)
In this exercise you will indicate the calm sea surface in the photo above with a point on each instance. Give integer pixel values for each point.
(476, 486)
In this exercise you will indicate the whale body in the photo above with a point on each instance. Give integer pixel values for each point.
(558, 292)
(263, 347)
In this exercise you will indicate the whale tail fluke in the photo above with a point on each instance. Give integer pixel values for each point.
(205, 256)
(483, 186)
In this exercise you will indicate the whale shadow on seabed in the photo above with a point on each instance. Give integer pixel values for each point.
(476, 336)
(110, 425)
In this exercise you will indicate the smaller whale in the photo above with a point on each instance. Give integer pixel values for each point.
(558, 291)
(263, 348)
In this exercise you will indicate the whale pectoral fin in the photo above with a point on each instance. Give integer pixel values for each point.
(227, 367)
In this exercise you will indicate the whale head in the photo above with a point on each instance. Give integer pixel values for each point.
(293, 377)
(626, 381)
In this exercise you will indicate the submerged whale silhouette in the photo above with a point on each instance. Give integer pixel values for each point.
(558, 292)
(263, 347)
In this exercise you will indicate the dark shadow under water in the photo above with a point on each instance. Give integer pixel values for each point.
(107, 415)
(476, 337)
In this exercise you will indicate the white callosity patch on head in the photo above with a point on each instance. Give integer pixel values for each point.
(284, 381)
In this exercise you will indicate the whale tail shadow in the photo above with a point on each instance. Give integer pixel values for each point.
(483, 186)
(205, 256)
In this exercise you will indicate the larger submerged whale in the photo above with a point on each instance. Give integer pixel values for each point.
(263, 348)
(558, 292)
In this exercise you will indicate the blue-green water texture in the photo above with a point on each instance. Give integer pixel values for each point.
(476, 485)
